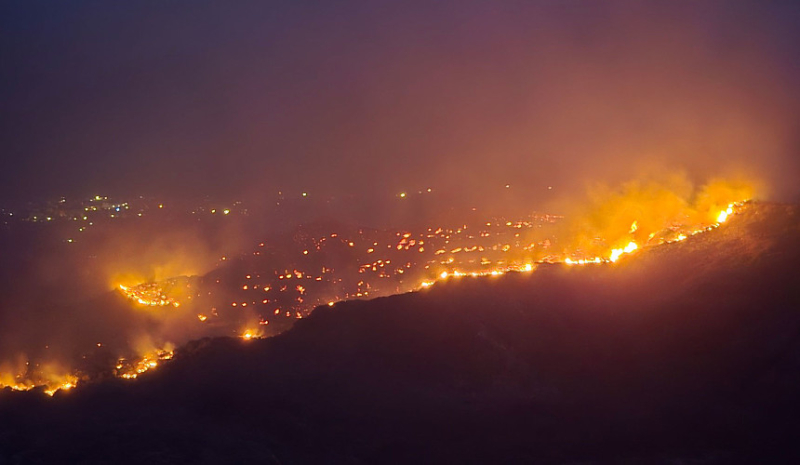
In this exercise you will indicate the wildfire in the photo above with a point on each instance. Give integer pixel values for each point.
(50, 382)
(149, 294)
(477, 253)
(612, 257)
(616, 253)
(249, 334)
(723, 215)
(69, 383)
(132, 369)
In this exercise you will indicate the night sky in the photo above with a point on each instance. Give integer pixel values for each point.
(510, 231)
(245, 98)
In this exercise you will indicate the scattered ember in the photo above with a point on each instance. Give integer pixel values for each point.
(494, 249)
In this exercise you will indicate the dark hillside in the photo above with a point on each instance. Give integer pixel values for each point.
(684, 353)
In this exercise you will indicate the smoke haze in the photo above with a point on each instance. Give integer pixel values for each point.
(663, 112)
(249, 98)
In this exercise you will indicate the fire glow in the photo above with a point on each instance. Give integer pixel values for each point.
(148, 294)
(611, 257)
(634, 236)
(249, 334)
(132, 369)
(50, 385)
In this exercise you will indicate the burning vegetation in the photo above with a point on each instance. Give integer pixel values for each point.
(167, 292)
(131, 369)
(149, 294)
(262, 291)
(48, 377)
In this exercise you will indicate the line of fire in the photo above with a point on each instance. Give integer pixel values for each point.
(261, 291)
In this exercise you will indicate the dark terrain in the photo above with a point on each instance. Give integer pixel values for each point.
(684, 353)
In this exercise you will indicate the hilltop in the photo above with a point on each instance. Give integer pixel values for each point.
(683, 352)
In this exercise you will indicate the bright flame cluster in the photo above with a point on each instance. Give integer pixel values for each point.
(51, 384)
(723, 215)
(126, 369)
(616, 253)
(612, 257)
(132, 370)
(250, 333)
(149, 294)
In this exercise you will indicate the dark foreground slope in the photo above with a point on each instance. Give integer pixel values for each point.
(688, 353)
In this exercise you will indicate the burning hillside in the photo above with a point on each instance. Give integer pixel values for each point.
(263, 292)
(686, 351)
(158, 294)
(369, 232)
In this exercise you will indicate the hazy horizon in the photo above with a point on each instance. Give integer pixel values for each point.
(243, 99)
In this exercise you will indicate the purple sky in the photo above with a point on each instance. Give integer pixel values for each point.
(245, 98)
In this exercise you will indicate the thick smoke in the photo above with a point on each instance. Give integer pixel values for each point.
(648, 210)
(63, 311)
